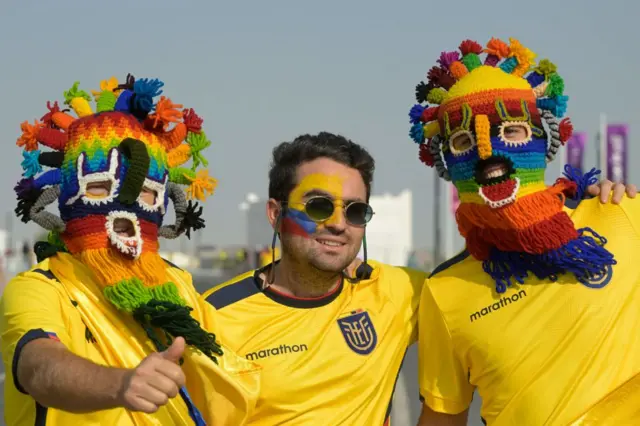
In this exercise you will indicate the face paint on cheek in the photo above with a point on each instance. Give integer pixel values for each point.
(296, 221)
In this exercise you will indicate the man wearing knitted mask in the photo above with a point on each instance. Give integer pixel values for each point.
(103, 330)
(540, 311)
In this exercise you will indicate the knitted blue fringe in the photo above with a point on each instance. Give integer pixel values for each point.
(583, 180)
(585, 257)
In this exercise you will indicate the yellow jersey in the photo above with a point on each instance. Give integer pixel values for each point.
(543, 353)
(332, 360)
(59, 299)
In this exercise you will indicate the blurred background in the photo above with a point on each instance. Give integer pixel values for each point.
(260, 73)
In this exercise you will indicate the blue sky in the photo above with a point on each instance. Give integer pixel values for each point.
(263, 72)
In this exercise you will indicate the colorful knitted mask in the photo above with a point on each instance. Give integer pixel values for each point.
(485, 132)
(103, 166)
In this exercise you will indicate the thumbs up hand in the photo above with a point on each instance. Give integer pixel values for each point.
(156, 379)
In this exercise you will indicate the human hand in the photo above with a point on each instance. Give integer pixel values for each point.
(605, 187)
(156, 379)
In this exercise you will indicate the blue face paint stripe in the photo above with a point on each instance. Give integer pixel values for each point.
(302, 220)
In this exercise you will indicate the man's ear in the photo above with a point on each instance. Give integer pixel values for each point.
(273, 211)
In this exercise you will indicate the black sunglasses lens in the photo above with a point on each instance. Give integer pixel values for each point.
(319, 209)
(359, 213)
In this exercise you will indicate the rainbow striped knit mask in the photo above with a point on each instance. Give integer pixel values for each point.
(129, 145)
(484, 132)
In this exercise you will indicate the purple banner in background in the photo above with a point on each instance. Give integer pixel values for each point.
(617, 149)
(575, 150)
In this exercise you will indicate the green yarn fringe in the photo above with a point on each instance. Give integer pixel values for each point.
(128, 295)
(198, 142)
(161, 311)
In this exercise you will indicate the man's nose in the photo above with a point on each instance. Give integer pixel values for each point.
(337, 221)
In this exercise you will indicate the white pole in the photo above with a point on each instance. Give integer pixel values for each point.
(449, 223)
(602, 147)
(564, 159)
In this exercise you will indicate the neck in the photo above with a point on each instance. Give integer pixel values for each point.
(294, 279)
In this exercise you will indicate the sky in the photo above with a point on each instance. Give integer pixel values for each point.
(263, 72)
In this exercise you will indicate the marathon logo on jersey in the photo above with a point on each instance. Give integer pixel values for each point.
(504, 302)
(358, 331)
(278, 350)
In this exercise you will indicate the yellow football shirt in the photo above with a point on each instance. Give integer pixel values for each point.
(58, 299)
(332, 360)
(542, 353)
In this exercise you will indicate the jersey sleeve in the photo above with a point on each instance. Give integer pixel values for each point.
(31, 308)
(417, 280)
(444, 380)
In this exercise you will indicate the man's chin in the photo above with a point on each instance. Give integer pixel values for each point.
(334, 266)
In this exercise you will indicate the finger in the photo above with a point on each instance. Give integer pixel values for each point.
(632, 191)
(153, 395)
(618, 193)
(140, 404)
(605, 190)
(175, 351)
(593, 190)
(172, 372)
(164, 384)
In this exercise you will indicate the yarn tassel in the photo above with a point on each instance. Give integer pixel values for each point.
(585, 257)
(161, 308)
(583, 181)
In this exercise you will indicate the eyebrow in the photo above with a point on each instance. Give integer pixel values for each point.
(320, 193)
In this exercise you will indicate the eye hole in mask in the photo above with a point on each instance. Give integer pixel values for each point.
(461, 142)
(98, 190)
(515, 133)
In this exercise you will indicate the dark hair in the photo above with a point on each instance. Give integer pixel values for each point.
(288, 156)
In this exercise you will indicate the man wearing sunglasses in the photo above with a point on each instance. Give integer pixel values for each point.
(329, 330)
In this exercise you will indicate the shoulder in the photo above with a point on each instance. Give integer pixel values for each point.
(233, 291)
(610, 220)
(33, 289)
(457, 281)
(399, 283)
(391, 274)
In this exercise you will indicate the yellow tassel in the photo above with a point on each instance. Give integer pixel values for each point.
(431, 129)
(483, 136)
(106, 85)
(178, 156)
(81, 107)
(201, 185)
(526, 58)
(78, 99)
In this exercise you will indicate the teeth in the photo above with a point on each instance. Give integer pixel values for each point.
(330, 243)
(495, 174)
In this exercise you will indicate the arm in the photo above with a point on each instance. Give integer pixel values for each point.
(432, 418)
(56, 378)
(34, 345)
(442, 373)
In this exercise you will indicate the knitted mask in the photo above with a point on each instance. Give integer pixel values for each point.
(485, 131)
(113, 173)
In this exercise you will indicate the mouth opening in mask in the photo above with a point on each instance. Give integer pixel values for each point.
(497, 186)
(123, 229)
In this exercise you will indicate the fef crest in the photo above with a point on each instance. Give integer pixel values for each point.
(358, 331)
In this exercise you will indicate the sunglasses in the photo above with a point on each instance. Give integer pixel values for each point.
(320, 209)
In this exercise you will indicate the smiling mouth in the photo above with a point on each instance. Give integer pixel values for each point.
(497, 187)
(329, 243)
